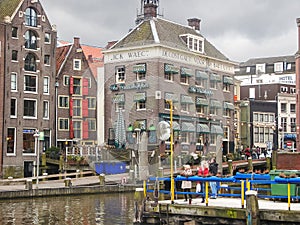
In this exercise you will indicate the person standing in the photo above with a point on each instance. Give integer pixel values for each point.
(203, 172)
(187, 185)
(213, 170)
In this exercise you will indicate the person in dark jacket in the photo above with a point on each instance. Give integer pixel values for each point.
(213, 170)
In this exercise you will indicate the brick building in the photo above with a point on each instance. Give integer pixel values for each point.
(76, 97)
(161, 60)
(27, 78)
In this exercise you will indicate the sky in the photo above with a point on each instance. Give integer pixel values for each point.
(240, 29)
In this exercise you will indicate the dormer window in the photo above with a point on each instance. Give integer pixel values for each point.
(260, 68)
(193, 42)
(278, 67)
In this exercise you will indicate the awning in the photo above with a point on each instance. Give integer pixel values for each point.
(202, 128)
(227, 80)
(215, 129)
(228, 105)
(175, 125)
(186, 72)
(290, 136)
(202, 75)
(202, 101)
(138, 97)
(169, 68)
(139, 68)
(215, 77)
(171, 96)
(118, 98)
(215, 104)
(187, 127)
(185, 99)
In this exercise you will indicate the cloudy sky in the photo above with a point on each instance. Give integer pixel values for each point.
(239, 29)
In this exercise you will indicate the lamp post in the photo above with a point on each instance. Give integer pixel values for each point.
(36, 136)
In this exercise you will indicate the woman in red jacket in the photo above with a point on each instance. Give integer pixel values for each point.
(203, 172)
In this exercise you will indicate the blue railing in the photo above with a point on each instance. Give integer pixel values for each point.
(235, 186)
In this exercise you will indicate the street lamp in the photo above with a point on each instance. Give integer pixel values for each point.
(36, 136)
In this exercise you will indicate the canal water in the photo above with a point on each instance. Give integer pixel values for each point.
(106, 209)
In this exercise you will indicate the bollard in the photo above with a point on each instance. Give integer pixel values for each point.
(230, 169)
(250, 164)
(252, 208)
(28, 184)
(102, 179)
(131, 176)
(138, 202)
(45, 176)
(68, 182)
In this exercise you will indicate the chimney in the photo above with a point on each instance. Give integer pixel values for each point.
(90, 58)
(150, 8)
(76, 41)
(194, 23)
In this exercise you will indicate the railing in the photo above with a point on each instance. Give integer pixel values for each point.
(233, 186)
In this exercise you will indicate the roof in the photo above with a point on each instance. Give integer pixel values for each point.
(8, 7)
(61, 54)
(92, 54)
(164, 32)
(269, 60)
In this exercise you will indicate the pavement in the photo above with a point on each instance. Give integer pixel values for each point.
(20, 184)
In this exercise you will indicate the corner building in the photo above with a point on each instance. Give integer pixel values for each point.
(27, 79)
(161, 60)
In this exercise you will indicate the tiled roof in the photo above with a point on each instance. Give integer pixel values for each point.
(269, 60)
(61, 54)
(168, 34)
(8, 7)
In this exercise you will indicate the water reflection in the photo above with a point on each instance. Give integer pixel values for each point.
(84, 209)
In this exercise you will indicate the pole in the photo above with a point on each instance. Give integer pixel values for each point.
(171, 136)
(36, 145)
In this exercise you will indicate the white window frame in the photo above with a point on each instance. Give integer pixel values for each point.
(36, 83)
(278, 67)
(260, 68)
(45, 109)
(16, 108)
(14, 81)
(66, 121)
(35, 109)
(76, 64)
(46, 85)
(67, 101)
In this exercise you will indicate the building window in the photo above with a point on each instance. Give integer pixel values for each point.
(283, 89)
(29, 108)
(140, 71)
(260, 68)
(283, 107)
(91, 103)
(170, 70)
(201, 78)
(77, 107)
(193, 42)
(92, 124)
(30, 17)
(47, 38)
(14, 55)
(77, 86)
(278, 67)
(30, 40)
(13, 108)
(46, 85)
(45, 109)
(120, 74)
(66, 80)
(293, 124)
(14, 32)
(63, 102)
(13, 81)
(292, 108)
(119, 105)
(284, 124)
(47, 60)
(30, 83)
(11, 140)
(76, 64)
(28, 141)
(30, 62)
(77, 129)
(63, 123)
(140, 99)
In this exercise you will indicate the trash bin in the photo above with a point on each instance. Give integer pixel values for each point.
(281, 189)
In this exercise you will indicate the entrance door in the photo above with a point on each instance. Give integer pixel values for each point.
(28, 169)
